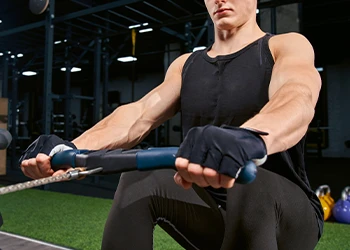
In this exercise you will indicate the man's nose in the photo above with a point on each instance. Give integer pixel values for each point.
(220, 1)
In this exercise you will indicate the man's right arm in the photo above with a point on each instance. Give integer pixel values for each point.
(129, 124)
(125, 127)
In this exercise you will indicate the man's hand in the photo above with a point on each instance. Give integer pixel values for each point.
(213, 156)
(35, 161)
(39, 167)
(189, 173)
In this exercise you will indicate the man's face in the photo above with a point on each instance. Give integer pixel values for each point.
(228, 14)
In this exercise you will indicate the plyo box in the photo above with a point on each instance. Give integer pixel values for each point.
(3, 125)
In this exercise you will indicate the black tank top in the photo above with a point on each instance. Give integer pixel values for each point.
(230, 89)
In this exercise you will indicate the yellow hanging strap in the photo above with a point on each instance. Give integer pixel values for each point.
(133, 39)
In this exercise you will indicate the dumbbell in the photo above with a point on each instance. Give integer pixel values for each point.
(327, 202)
(341, 209)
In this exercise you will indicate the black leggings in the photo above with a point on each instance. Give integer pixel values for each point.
(270, 213)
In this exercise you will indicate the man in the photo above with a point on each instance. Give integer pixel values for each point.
(248, 95)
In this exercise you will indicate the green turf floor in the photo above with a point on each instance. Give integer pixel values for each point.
(77, 221)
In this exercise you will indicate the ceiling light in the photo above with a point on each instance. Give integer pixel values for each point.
(1, 54)
(74, 69)
(144, 24)
(13, 56)
(29, 73)
(146, 30)
(20, 55)
(199, 48)
(58, 42)
(134, 26)
(127, 59)
(320, 69)
(257, 11)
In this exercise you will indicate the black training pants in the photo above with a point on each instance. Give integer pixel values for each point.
(268, 214)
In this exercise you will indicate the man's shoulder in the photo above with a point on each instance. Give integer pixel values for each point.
(180, 60)
(288, 38)
(288, 41)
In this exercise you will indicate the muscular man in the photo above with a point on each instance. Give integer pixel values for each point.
(248, 95)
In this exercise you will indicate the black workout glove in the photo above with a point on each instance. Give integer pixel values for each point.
(225, 149)
(45, 144)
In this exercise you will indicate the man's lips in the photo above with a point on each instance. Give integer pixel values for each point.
(221, 10)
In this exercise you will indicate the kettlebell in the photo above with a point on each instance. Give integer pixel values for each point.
(341, 209)
(327, 202)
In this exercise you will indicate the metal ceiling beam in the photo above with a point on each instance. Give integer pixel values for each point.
(179, 7)
(164, 29)
(96, 25)
(97, 16)
(122, 16)
(200, 3)
(95, 9)
(22, 28)
(143, 14)
(72, 32)
(109, 21)
(82, 28)
(69, 16)
(173, 33)
(160, 10)
(80, 3)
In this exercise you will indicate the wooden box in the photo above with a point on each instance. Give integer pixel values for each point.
(3, 125)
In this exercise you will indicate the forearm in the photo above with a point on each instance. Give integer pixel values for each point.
(124, 128)
(285, 117)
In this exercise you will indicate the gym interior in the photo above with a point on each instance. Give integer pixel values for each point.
(67, 64)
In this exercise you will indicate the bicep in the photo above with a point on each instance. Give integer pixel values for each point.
(294, 69)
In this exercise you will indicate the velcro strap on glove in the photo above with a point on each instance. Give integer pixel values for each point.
(44, 144)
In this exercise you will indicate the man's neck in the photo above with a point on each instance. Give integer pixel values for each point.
(231, 41)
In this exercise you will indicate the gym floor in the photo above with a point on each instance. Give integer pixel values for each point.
(321, 171)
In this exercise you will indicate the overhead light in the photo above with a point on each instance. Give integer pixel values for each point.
(8, 52)
(127, 59)
(137, 25)
(13, 56)
(134, 26)
(0, 21)
(199, 48)
(20, 55)
(146, 30)
(257, 11)
(320, 69)
(58, 42)
(1, 54)
(74, 69)
(65, 40)
(29, 73)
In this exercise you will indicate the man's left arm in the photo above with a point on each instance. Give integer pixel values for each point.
(293, 93)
